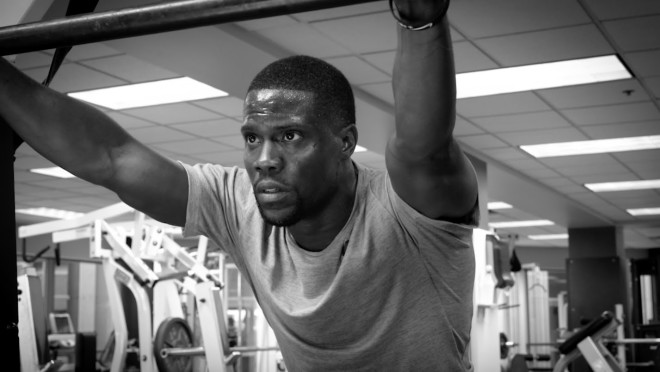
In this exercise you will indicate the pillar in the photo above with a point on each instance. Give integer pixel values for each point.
(598, 276)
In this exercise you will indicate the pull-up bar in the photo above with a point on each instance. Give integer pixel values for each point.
(150, 19)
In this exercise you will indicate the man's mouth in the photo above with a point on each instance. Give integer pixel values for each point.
(270, 192)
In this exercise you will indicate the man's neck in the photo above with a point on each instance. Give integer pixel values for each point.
(316, 234)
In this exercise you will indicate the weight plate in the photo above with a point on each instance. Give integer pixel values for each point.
(173, 332)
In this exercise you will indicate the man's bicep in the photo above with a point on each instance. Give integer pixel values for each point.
(151, 183)
(441, 186)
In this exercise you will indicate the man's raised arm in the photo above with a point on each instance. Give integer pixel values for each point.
(427, 167)
(87, 143)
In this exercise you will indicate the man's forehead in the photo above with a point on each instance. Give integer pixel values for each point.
(275, 98)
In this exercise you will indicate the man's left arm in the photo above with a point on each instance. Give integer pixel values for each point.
(427, 168)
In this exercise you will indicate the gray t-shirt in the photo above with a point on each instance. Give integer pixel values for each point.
(392, 292)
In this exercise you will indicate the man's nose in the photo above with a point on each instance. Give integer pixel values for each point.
(268, 160)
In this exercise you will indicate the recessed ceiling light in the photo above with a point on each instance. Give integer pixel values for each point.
(623, 185)
(359, 148)
(149, 94)
(540, 76)
(50, 212)
(53, 172)
(499, 205)
(593, 146)
(512, 224)
(548, 236)
(644, 211)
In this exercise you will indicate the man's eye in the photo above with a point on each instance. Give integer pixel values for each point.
(291, 136)
(250, 138)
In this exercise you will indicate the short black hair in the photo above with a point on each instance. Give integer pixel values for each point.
(332, 92)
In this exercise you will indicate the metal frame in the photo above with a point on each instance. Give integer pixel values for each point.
(151, 19)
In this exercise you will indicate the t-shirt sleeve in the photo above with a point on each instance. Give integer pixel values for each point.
(215, 197)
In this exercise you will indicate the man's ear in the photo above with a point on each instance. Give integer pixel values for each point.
(349, 137)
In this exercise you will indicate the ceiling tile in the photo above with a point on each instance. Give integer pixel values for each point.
(525, 164)
(654, 84)
(303, 39)
(128, 122)
(157, 134)
(468, 58)
(571, 189)
(29, 162)
(357, 71)
(557, 181)
(73, 77)
(540, 173)
(634, 34)
(228, 106)
(521, 122)
(129, 68)
(173, 114)
(580, 161)
(88, 51)
(501, 104)
(595, 94)
(211, 128)
(32, 60)
(646, 170)
(613, 9)
(592, 169)
(236, 141)
(644, 64)
(344, 11)
(382, 60)
(198, 146)
(638, 156)
(506, 154)
(644, 128)
(598, 178)
(482, 141)
(465, 128)
(613, 114)
(362, 34)
(546, 46)
(536, 137)
(484, 18)
(265, 23)
(380, 90)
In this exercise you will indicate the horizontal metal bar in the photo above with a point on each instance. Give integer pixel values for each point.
(150, 19)
(199, 350)
(634, 341)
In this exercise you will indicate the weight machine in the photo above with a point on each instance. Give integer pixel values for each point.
(164, 336)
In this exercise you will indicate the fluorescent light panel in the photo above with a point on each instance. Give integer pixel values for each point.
(498, 205)
(623, 185)
(512, 224)
(644, 211)
(359, 148)
(149, 94)
(540, 76)
(548, 237)
(593, 146)
(53, 172)
(50, 213)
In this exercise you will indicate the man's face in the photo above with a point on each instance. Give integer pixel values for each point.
(292, 160)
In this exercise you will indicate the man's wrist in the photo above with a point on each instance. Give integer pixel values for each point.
(419, 19)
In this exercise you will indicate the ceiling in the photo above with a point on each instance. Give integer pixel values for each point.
(360, 40)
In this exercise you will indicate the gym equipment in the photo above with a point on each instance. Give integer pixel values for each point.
(172, 346)
(151, 19)
(588, 342)
(491, 284)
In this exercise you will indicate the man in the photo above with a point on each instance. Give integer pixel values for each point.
(355, 269)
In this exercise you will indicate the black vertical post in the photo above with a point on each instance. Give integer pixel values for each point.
(8, 283)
